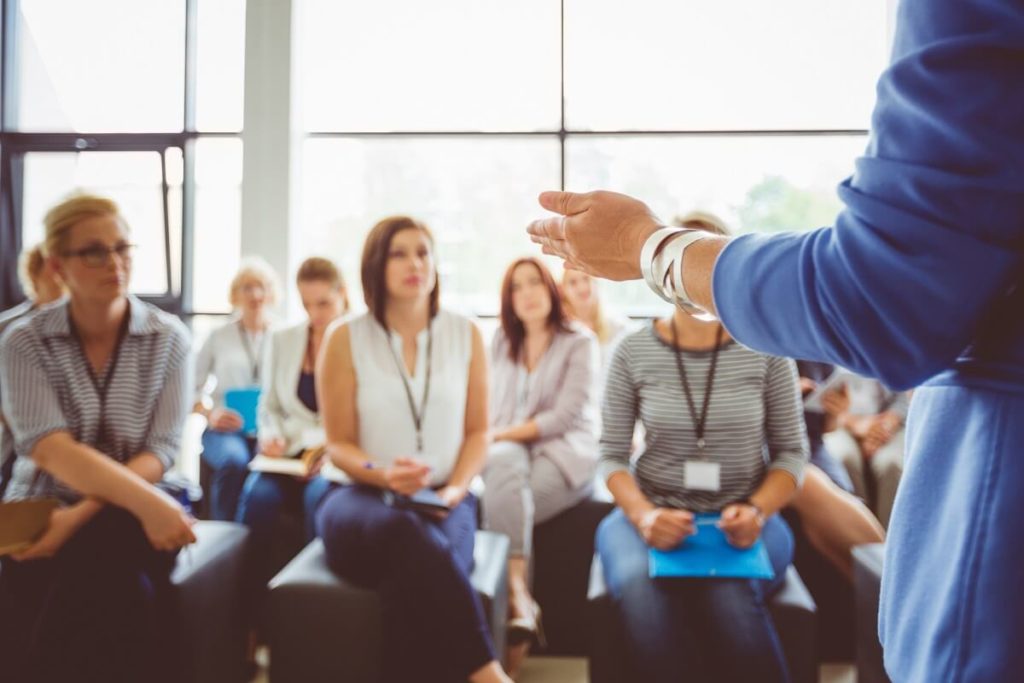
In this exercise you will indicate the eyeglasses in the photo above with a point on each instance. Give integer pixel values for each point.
(97, 255)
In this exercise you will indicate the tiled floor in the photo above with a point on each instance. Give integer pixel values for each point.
(574, 670)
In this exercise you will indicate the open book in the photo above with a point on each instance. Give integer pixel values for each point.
(300, 465)
(22, 522)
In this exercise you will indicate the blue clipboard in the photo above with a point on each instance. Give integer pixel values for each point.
(244, 401)
(707, 554)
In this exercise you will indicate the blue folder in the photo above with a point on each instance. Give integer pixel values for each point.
(244, 401)
(707, 554)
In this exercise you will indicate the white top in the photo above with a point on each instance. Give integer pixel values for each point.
(226, 358)
(281, 413)
(387, 429)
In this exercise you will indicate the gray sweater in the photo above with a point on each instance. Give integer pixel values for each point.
(754, 423)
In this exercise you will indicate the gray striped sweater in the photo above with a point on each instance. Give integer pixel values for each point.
(754, 424)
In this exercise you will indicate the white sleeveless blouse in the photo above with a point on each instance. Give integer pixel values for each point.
(387, 429)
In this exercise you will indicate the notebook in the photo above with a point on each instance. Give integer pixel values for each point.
(244, 401)
(708, 554)
(297, 466)
(22, 522)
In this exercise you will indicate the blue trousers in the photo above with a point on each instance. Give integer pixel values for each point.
(99, 610)
(434, 627)
(712, 630)
(228, 454)
(264, 498)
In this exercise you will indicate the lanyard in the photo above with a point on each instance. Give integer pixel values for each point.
(102, 389)
(417, 415)
(253, 356)
(699, 422)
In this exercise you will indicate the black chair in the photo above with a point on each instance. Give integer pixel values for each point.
(563, 548)
(321, 628)
(792, 608)
(868, 561)
(207, 583)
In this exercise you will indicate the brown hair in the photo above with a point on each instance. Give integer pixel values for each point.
(511, 325)
(317, 269)
(376, 250)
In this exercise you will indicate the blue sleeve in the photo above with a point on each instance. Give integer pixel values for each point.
(932, 232)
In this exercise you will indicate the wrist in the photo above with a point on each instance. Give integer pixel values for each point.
(638, 511)
(759, 510)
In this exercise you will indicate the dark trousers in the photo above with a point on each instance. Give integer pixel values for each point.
(97, 611)
(434, 627)
(713, 630)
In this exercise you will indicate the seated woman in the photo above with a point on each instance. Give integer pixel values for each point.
(39, 281)
(582, 298)
(289, 421)
(832, 519)
(96, 390)
(711, 410)
(403, 393)
(233, 355)
(544, 454)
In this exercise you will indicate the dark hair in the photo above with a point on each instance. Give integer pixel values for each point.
(511, 325)
(375, 258)
(318, 269)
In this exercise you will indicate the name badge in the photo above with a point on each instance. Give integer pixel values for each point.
(702, 476)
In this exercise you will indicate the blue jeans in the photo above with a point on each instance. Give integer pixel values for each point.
(263, 499)
(694, 629)
(434, 627)
(228, 454)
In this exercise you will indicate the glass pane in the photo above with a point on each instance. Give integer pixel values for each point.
(132, 179)
(476, 195)
(218, 221)
(754, 183)
(220, 65)
(101, 66)
(731, 64)
(411, 65)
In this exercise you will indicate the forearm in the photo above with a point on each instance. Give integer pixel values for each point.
(775, 492)
(356, 463)
(698, 267)
(628, 496)
(527, 432)
(471, 459)
(92, 473)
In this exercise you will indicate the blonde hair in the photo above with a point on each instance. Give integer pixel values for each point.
(601, 327)
(76, 208)
(703, 220)
(30, 265)
(256, 268)
(317, 269)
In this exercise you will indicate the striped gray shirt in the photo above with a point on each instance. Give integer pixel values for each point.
(754, 424)
(48, 388)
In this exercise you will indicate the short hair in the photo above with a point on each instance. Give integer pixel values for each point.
(511, 325)
(254, 267)
(703, 220)
(318, 269)
(374, 264)
(30, 265)
(74, 209)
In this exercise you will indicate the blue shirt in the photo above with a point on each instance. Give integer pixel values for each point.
(919, 281)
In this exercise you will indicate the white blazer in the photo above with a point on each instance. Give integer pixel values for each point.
(281, 413)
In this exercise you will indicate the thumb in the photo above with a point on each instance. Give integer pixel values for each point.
(565, 203)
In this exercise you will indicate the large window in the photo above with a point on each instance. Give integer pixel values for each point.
(141, 102)
(459, 113)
